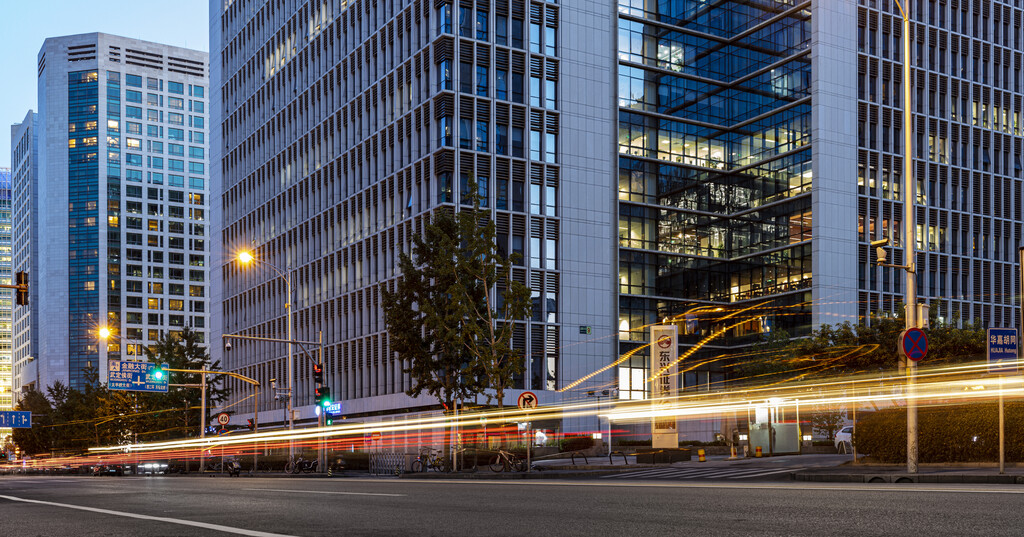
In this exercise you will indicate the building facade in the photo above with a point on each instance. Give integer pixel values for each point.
(753, 150)
(6, 299)
(118, 234)
(24, 330)
(343, 125)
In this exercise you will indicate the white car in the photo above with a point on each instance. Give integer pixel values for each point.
(844, 437)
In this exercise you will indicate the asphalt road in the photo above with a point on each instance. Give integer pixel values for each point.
(156, 506)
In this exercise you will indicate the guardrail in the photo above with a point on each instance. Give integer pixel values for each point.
(623, 455)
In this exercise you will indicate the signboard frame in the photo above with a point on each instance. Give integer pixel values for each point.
(15, 419)
(1002, 346)
(135, 376)
(664, 386)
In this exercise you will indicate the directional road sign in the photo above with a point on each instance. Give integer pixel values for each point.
(15, 419)
(527, 400)
(134, 376)
(1001, 350)
(914, 344)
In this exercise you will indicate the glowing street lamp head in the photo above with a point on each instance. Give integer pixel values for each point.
(105, 332)
(245, 257)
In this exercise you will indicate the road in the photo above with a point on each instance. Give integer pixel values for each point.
(196, 505)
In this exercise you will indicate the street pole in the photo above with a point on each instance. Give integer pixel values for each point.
(202, 424)
(256, 429)
(909, 238)
(288, 312)
(1002, 431)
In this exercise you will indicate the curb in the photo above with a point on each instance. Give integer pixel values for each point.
(910, 478)
(497, 476)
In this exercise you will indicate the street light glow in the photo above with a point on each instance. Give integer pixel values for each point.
(105, 332)
(245, 257)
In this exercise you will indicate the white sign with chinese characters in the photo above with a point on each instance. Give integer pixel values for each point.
(665, 384)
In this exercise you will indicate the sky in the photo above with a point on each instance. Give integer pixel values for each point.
(27, 23)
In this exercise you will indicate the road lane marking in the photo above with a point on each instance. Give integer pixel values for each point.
(331, 492)
(204, 525)
(767, 473)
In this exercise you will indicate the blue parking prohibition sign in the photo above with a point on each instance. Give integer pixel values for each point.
(914, 344)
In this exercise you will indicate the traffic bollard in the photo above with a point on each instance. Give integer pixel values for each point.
(700, 456)
(757, 451)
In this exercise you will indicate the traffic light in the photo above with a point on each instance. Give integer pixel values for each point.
(328, 419)
(160, 371)
(21, 294)
(323, 396)
(252, 424)
(318, 373)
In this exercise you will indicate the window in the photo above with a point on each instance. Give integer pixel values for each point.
(176, 150)
(535, 37)
(501, 84)
(133, 112)
(132, 96)
(444, 21)
(481, 25)
(535, 145)
(196, 167)
(465, 22)
(133, 143)
(501, 139)
(176, 134)
(176, 180)
(535, 91)
(197, 91)
(517, 142)
(196, 152)
(550, 145)
(481, 135)
(175, 118)
(153, 99)
(481, 81)
(176, 87)
(444, 132)
(134, 128)
(197, 106)
(501, 30)
(132, 159)
(133, 191)
(153, 115)
(465, 77)
(549, 40)
(444, 75)
(517, 33)
(197, 183)
(465, 133)
(176, 103)
(154, 131)
(549, 94)
(517, 87)
(134, 81)
(197, 122)
(176, 165)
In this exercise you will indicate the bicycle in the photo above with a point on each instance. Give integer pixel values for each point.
(507, 461)
(300, 465)
(430, 459)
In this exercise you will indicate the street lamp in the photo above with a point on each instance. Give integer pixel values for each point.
(245, 258)
(106, 333)
(909, 238)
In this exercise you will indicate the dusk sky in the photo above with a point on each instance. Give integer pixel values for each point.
(27, 23)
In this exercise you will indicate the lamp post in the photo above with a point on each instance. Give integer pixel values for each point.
(106, 333)
(909, 239)
(246, 258)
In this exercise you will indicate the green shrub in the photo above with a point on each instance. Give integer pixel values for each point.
(575, 443)
(958, 433)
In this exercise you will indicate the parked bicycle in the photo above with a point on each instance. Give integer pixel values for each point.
(300, 465)
(506, 461)
(430, 459)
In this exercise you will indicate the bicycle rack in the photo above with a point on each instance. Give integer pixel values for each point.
(624, 461)
(581, 454)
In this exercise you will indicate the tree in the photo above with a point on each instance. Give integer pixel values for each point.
(495, 300)
(827, 420)
(181, 406)
(38, 438)
(450, 316)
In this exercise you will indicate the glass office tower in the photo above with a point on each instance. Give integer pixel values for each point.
(115, 220)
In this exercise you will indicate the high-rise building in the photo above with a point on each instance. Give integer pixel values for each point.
(24, 329)
(6, 298)
(342, 125)
(750, 151)
(117, 213)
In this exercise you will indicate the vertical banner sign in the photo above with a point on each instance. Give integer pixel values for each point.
(665, 383)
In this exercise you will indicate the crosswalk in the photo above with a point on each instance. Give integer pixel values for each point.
(710, 472)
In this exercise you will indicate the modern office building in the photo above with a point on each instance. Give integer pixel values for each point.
(24, 188)
(6, 298)
(750, 151)
(112, 201)
(342, 125)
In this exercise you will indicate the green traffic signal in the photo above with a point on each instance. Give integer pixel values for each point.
(160, 371)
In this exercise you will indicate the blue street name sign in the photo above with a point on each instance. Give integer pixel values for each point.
(16, 419)
(1001, 350)
(134, 376)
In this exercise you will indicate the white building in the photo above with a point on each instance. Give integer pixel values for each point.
(111, 204)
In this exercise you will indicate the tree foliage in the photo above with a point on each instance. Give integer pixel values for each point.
(68, 420)
(450, 318)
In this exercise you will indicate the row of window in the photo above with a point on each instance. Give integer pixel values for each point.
(154, 99)
(155, 84)
(543, 39)
(173, 118)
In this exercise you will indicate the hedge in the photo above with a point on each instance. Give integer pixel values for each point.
(575, 443)
(957, 433)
